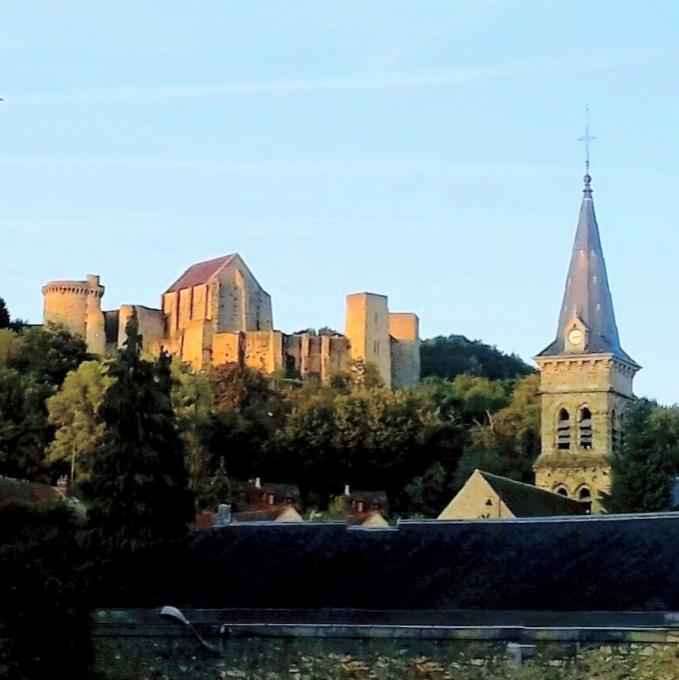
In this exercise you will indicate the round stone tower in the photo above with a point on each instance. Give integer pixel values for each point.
(76, 305)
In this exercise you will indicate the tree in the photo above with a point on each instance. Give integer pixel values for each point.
(73, 411)
(33, 364)
(137, 484)
(192, 402)
(509, 442)
(643, 469)
(447, 357)
(4, 315)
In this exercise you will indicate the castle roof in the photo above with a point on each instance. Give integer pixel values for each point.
(200, 273)
(587, 296)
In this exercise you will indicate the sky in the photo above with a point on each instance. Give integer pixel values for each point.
(426, 150)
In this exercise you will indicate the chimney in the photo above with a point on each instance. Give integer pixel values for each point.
(347, 492)
(223, 515)
(258, 483)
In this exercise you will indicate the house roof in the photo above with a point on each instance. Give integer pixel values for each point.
(370, 497)
(291, 490)
(526, 500)
(587, 296)
(23, 491)
(584, 562)
(200, 273)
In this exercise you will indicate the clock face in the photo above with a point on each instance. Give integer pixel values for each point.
(575, 336)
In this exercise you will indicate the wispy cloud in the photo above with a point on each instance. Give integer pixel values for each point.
(394, 80)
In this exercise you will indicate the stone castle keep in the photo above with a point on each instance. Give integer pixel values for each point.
(217, 313)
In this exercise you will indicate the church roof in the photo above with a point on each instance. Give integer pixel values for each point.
(587, 296)
(200, 273)
(525, 500)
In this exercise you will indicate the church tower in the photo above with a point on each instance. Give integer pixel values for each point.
(585, 376)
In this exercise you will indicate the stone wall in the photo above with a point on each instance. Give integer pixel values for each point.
(341, 659)
(404, 329)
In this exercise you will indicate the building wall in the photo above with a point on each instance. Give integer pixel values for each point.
(243, 304)
(596, 382)
(151, 326)
(476, 500)
(404, 329)
(367, 328)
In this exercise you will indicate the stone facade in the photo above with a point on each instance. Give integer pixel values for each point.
(217, 312)
(582, 400)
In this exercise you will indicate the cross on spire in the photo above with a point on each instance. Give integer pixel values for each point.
(587, 139)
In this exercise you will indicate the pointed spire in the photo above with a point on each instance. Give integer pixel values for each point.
(587, 302)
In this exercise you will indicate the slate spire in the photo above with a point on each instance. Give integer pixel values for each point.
(587, 299)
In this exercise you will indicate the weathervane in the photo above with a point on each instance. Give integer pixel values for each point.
(587, 138)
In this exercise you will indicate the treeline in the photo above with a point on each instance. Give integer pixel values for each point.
(419, 445)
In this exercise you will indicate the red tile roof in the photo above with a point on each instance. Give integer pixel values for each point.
(200, 273)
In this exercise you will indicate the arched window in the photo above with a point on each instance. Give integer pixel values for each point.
(585, 428)
(561, 490)
(563, 430)
(585, 497)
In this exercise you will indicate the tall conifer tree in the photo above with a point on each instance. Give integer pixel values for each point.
(138, 489)
(4, 315)
(642, 469)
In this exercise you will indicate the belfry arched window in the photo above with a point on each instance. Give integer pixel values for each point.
(616, 435)
(563, 430)
(585, 428)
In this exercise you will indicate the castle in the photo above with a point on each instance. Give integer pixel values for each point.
(585, 376)
(216, 312)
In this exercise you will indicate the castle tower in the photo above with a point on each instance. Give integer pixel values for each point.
(367, 328)
(585, 376)
(76, 305)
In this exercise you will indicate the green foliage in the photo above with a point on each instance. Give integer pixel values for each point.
(4, 315)
(33, 364)
(42, 592)
(448, 357)
(73, 411)
(137, 484)
(643, 469)
(192, 401)
(509, 442)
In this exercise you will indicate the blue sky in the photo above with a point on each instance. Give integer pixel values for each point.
(424, 149)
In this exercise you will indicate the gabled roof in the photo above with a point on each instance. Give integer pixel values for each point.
(200, 273)
(587, 296)
(525, 500)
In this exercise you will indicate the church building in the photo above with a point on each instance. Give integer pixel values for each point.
(585, 376)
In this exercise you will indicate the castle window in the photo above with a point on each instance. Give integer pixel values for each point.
(585, 428)
(563, 430)
(562, 491)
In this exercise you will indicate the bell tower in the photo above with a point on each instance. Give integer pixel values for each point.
(585, 376)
